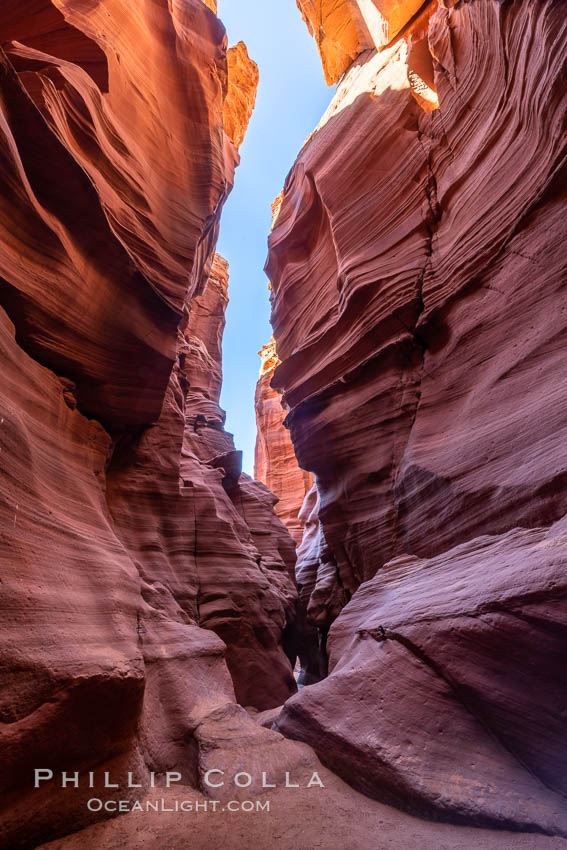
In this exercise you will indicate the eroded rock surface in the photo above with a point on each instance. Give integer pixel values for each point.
(418, 291)
(275, 464)
(243, 80)
(465, 647)
(274, 460)
(183, 509)
(81, 218)
(146, 584)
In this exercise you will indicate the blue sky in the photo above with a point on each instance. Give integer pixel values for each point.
(292, 96)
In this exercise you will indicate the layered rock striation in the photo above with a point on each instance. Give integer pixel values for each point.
(79, 213)
(184, 510)
(418, 291)
(146, 584)
(274, 459)
(275, 464)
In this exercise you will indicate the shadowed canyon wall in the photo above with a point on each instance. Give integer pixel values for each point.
(146, 584)
(276, 465)
(274, 460)
(418, 276)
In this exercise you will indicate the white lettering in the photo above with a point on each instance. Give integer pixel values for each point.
(72, 779)
(107, 782)
(131, 783)
(48, 774)
(172, 776)
(247, 780)
(213, 784)
(265, 783)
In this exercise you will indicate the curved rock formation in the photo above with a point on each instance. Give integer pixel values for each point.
(129, 536)
(276, 466)
(243, 80)
(102, 234)
(343, 29)
(447, 679)
(185, 512)
(274, 459)
(340, 33)
(418, 285)
(418, 306)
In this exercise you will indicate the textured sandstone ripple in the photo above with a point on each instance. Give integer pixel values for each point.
(418, 303)
(146, 584)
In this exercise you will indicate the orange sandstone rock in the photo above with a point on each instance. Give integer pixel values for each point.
(274, 461)
(276, 465)
(91, 71)
(339, 31)
(343, 29)
(242, 84)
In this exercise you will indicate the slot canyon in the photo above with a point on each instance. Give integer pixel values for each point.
(368, 636)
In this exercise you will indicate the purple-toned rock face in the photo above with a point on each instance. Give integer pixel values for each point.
(446, 681)
(418, 303)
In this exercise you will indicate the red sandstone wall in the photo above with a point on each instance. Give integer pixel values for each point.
(418, 291)
(274, 460)
(130, 543)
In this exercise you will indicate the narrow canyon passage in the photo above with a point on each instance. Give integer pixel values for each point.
(362, 644)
